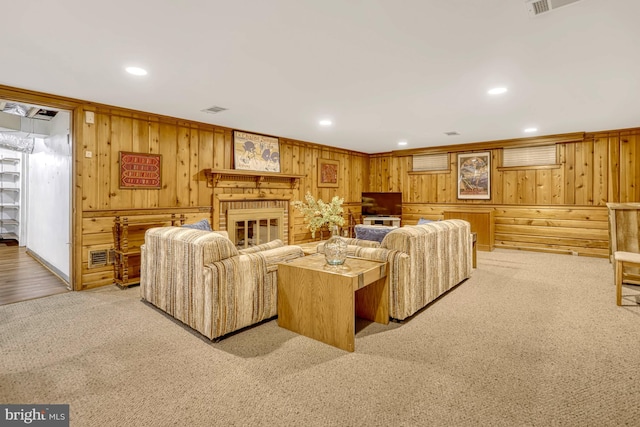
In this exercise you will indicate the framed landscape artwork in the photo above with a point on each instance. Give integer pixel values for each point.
(256, 152)
(140, 170)
(328, 172)
(474, 180)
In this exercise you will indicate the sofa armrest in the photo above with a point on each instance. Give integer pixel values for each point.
(277, 243)
(363, 243)
(282, 254)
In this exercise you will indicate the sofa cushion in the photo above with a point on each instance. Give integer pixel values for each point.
(424, 221)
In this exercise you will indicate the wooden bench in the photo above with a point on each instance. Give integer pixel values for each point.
(622, 259)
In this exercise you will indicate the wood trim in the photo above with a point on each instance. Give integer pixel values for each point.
(39, 98)
(77, 237)
(489, 145)
(324, 148)
(429, 172)
(261, 179)
(149, 211)
(518, 168)
(614, 168)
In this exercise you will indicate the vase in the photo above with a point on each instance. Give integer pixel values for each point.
(335, 249)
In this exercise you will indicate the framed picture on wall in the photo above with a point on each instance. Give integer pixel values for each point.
(328, 171)
(255, 152)
(474, 177)
(140, 170)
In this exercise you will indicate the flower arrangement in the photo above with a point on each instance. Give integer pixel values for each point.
(318, 213)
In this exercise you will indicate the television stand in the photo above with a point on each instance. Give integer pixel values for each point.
(381, 220)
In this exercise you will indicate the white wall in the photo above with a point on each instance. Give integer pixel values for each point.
(49, 193)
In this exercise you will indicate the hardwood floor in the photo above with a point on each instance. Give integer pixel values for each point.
(23, 278)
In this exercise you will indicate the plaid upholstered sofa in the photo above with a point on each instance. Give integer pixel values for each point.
(203, 280)
(425, 261)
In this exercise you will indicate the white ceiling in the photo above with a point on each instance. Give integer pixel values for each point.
(382, 70)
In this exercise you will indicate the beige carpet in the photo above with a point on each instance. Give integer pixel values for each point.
(531, 339)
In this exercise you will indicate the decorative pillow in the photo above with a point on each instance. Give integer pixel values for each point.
(424, 221)
(200, 225)
(373, 232)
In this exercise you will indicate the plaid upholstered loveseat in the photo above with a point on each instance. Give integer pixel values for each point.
(425, 261)
(200, 278)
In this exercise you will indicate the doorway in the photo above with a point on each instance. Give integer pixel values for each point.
(37, 141)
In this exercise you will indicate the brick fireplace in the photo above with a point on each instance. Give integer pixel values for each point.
(254, 207)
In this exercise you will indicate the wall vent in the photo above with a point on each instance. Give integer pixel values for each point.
(537, 7)
(451, 133)
(214, 110)
(101, 258)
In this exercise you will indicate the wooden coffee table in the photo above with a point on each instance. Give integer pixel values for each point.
(321, 301)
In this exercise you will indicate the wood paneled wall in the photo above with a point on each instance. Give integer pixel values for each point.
(561, 208)
(187, 149)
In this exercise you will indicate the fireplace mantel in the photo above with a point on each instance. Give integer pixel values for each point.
(250, 179)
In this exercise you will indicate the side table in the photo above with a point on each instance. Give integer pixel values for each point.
(321, 302)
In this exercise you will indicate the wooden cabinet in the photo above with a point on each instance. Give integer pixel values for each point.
(481, 221)
(128, 236)
(624, 234)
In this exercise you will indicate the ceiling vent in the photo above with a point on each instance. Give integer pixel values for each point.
(538, 7)
(214, 110)
(452, 133)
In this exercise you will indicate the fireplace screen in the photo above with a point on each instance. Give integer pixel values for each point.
(251, 227)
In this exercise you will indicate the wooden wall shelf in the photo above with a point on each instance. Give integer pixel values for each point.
(255, 179)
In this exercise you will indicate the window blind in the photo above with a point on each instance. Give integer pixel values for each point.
(431, 162)
(540, 155)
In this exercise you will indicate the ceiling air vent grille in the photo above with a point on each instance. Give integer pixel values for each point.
(537, 7)
(214, 110)
(540, 6)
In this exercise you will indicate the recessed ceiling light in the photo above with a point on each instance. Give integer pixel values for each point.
(530, 130)
(326, 122)
(497, 90)
(402, 143)
(136, 71)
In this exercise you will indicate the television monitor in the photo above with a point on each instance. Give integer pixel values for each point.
(382, 204)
